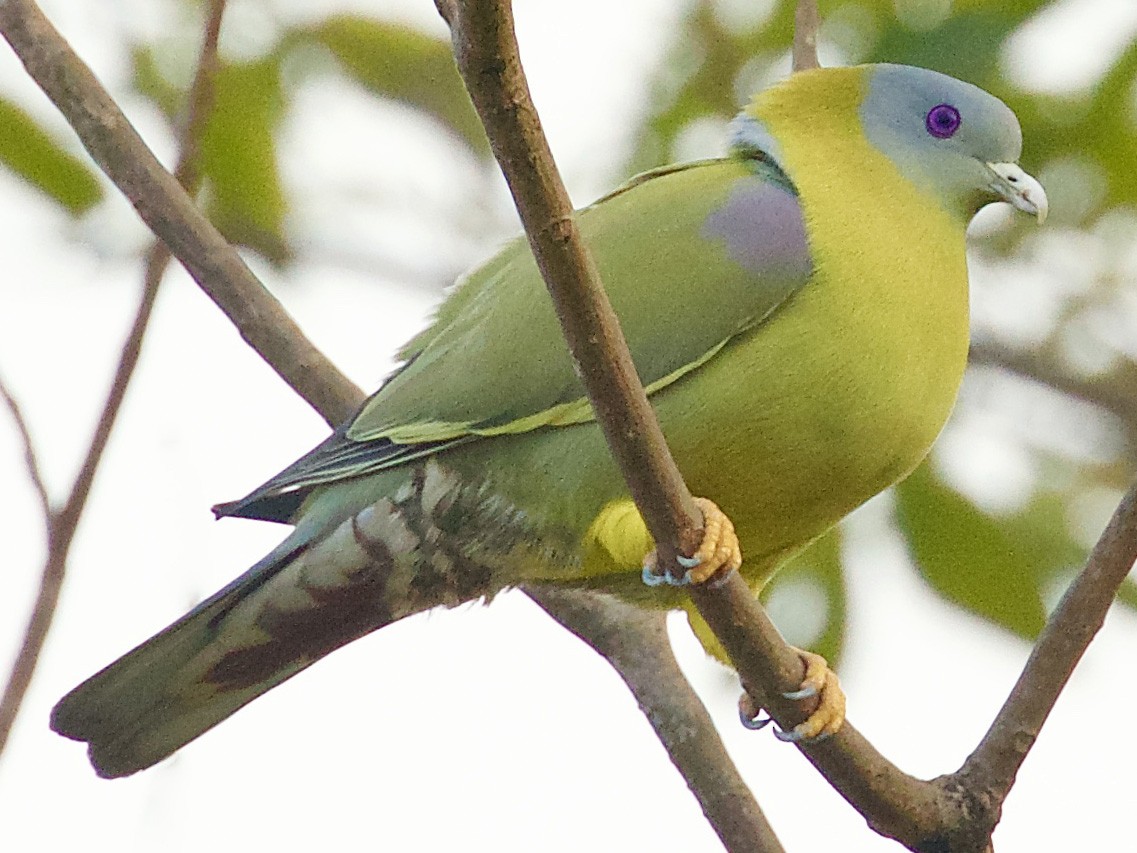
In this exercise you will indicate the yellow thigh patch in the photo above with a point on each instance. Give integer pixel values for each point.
(617, 540)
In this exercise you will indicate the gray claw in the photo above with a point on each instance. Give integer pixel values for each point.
(787, 737)
(687, 562)
(793, 737)
(654, 578)
(755, 723)
(807, 692)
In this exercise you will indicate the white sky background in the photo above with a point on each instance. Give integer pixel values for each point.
(476, 728)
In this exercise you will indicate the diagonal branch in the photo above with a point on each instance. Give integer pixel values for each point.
(1078, 617)
(62, 523)
(31, 460)
(120, 152)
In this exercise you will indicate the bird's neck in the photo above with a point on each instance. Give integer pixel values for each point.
(866, 222)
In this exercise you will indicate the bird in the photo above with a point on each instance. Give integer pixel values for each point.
(797, 311)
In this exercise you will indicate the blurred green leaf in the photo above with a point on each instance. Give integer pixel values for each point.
(238, 157)
(243, 194)
(820, 567)
(965, 45)
(406, 65)
(33, 155)
(1000, 568)
(1127, 594)
(149, 81)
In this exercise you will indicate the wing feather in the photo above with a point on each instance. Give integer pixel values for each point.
(690, 256)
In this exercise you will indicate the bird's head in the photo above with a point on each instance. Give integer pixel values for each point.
(950, 138)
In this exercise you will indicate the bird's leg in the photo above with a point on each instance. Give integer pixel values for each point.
(819, 681)
(719, 550)
(719, 554)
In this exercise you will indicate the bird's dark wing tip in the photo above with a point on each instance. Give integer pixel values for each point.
(222, 510)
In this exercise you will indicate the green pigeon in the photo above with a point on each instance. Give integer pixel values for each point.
(797, 311)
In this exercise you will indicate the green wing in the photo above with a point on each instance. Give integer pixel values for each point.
(690, 257)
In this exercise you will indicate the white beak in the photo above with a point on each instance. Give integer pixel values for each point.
(1010, 183)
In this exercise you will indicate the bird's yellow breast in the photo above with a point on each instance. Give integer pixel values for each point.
(842, 392)
(890, 282)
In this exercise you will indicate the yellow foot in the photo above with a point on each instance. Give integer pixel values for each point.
(819, 681)
(719, 553)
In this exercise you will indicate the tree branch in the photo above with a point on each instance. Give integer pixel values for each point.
(806, 24)
(31, 460)
(943, 814)
(1115, 393)
(62, 523)
(486, 51)
(118, 149)
(1073, 624)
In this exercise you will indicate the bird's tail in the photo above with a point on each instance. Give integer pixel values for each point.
(306, 598)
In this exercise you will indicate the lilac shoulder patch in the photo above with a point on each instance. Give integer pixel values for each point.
(762, 228)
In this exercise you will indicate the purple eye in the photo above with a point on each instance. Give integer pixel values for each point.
(942, 121)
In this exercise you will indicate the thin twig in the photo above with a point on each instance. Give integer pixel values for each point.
(31, 461)
(162, 203)
(35, 633)
(61, 524)
(1073, 624)
(1115, 393)
(806, 24)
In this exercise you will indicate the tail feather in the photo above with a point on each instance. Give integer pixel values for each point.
(290, 609)
(336, 578)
